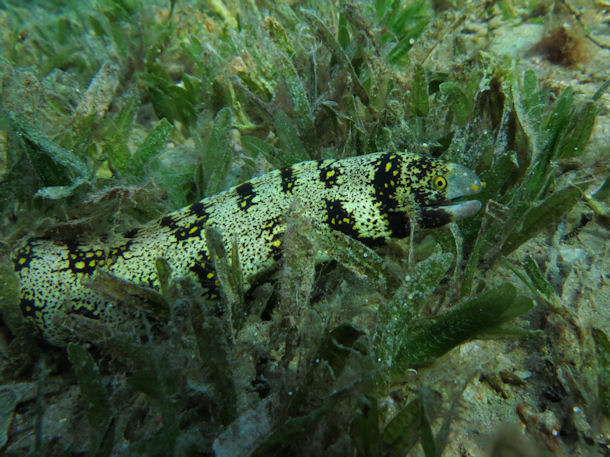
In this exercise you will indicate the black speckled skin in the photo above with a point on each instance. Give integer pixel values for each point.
(367, 197)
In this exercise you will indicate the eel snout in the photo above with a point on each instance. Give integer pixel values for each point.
(462, 182)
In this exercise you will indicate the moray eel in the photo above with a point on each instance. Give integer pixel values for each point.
(371, 198)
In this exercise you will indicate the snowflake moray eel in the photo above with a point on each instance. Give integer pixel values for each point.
(371, 198)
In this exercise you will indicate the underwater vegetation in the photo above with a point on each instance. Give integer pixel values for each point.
(113, 112)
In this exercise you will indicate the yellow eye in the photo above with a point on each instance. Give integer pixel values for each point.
(440, 182)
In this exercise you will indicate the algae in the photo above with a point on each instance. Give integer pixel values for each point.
(113, 112)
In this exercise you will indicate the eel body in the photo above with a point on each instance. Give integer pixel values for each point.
(371, 198)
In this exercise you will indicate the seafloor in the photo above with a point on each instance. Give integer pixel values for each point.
(537, 387)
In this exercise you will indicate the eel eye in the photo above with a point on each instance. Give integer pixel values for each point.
(440, 182)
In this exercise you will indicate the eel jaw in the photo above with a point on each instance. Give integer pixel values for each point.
(461, 210)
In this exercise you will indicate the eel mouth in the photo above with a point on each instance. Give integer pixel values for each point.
(461, 210)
